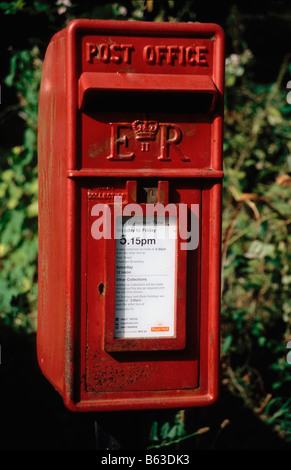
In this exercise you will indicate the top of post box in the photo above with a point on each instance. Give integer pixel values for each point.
(162, 66)
(178, 48)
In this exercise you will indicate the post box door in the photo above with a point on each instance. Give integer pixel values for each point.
(146, 358)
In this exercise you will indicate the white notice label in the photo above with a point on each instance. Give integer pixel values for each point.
(145, 275)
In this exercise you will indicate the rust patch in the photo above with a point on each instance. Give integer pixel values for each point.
(190, 132)
(96, 149)
(109, 377)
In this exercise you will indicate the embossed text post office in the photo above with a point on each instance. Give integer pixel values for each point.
(130, 179)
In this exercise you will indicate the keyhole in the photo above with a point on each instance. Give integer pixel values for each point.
(152, 195)
(101, 288)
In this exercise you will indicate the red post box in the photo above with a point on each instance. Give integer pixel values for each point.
(130, 178)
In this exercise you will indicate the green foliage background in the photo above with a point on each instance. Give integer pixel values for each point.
(256, 304)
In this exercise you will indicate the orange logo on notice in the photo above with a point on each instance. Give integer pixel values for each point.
(160, 328)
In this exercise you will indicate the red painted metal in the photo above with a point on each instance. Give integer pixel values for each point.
(104, 84)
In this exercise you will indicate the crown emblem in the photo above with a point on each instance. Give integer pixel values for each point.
(145, 131)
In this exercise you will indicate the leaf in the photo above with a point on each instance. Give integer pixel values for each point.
(32, 209)
(226, 343)
(154, 432)
(259, 249)
(180, 429)
(7, 175)
(16, 192)
(262, 341)
(172, 433)
(274, 116)
(276, 385)
(11, 8)
(230, 80)
(165, 431)
(12, 232)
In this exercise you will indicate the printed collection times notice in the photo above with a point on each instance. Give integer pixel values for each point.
(145, 275)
